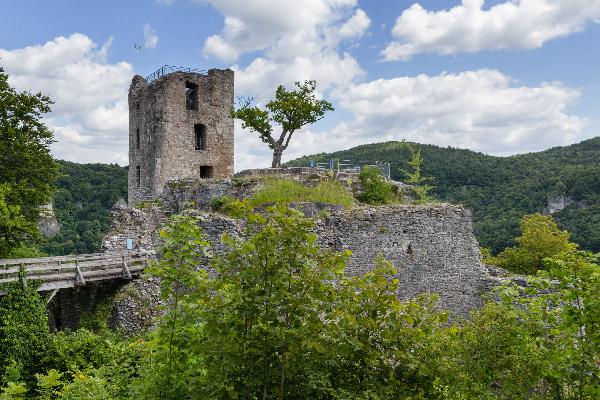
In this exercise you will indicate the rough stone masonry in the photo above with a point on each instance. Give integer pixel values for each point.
(179, 127)
(432, 246)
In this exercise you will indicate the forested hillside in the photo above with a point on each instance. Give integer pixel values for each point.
(500, 190)
(82, 203)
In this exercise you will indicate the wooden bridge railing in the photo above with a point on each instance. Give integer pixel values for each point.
(70, 271)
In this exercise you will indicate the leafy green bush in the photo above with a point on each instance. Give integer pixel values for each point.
(86, 387)
(288, 191)
(540, 238)
(280, 319)
(222, 203)
(376, 190)
(80, 350)
(23, 332)
(13, 391)
(493, 355)
(561, 310)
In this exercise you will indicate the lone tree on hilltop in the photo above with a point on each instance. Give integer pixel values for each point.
(291, 110)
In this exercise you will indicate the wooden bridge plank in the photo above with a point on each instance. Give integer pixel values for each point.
(61, 272)
(50, 259)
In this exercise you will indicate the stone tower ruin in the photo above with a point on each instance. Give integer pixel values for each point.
(179, 128)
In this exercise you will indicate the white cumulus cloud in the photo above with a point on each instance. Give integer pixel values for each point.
(470, 27)
(150, 37)
(482, 110)
(259, 24)
(90, 114)
(296, 39)
(356, 25)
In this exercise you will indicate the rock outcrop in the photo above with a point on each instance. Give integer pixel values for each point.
(48, 224)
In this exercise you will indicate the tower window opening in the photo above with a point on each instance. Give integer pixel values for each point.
(138, 175)
(137, 138)
(206, 171)
(191, 96)
(200, 137)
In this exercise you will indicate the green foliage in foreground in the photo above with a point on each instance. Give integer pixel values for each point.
(23, 332)
(280, 319)
(289, 191)
(501, 190)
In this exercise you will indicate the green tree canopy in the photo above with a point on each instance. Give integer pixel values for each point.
(540, 239)
(291, 110)
(27, 170)
(415, 178)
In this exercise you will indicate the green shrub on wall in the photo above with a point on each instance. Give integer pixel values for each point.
(375, 188)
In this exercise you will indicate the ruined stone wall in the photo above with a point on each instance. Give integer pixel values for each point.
(146, 118)
(83, 306)
(167, 145)
(432, 246)
(140, 225)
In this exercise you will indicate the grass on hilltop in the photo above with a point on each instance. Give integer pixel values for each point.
(288, 191)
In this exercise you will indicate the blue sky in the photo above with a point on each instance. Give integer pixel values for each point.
(501, 77)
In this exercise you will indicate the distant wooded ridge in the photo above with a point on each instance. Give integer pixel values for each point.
(499, 190)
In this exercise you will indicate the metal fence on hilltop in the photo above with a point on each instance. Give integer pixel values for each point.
(335, 164)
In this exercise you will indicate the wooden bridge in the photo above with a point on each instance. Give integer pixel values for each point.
(71, 271)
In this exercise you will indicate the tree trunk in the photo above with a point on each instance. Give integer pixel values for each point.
(277, 152)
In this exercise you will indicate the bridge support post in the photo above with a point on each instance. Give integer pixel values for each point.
(79, 280)
(52, 295)
(126, 273)
(23, 275)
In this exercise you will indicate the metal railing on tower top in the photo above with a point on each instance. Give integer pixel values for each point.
(167, 69)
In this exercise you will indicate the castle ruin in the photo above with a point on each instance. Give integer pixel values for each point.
(179, 128)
